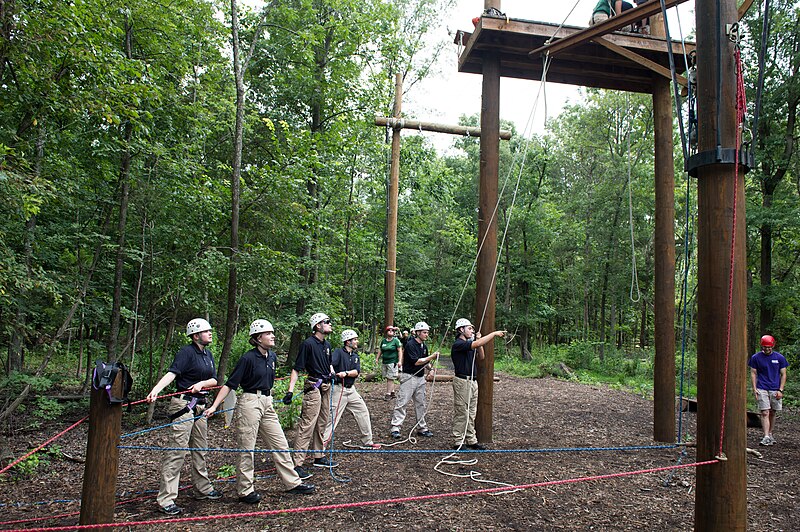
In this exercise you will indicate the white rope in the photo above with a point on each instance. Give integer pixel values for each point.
(450, 458)
(634, 273)
(563, 22)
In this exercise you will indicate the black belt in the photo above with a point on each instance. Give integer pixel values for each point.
(466, 377)
(257, 392)
(201, 399)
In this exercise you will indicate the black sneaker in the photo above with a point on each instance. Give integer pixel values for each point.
(302, 473)
(303, 489)
(324, 462)
(212, 495)
(251, 498)
(396, 434)
(171, 509)
(426, 433)
(476, 447)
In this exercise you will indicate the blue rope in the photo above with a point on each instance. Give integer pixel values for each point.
(131, 434)
(410, 451)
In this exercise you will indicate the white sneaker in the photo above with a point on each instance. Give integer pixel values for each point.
(765, 441)
(772, 441)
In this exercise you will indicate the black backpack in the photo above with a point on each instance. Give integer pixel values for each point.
(104, 376)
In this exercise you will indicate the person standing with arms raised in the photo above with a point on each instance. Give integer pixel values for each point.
(192, 370)
(467, 345)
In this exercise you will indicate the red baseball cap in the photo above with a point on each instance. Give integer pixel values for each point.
(391, 328)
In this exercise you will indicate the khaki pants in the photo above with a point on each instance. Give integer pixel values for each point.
(411, 387)
(255, 417)
(465, 406)
(349, 400)
(314, 418)
(187, 434)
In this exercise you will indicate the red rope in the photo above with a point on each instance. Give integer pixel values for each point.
(344, 506)
(741, 105)
(18, 460)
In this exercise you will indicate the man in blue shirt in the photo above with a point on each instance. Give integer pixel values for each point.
(768, 375)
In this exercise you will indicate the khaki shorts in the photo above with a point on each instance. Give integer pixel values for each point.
(389, 371)
(768, 401)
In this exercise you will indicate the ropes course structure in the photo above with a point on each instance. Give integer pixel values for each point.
(502, 487)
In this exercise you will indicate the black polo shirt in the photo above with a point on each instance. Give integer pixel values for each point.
(314, 358)
(414, 351)
(191, 365)
(463, 356)
(254, 372)
(344, 361)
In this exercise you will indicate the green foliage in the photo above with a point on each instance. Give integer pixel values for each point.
(226, 471)
(48, 409)
(28, 467)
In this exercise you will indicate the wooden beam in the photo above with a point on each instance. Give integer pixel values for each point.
(399, 123)
(636, 58)
(612, 24)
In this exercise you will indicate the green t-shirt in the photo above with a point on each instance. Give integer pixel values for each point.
(389, 351)
(603, 6)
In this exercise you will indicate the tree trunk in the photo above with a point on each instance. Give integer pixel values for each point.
(124, 179)
(167, 338)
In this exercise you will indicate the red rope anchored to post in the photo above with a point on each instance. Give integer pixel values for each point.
(741, 105)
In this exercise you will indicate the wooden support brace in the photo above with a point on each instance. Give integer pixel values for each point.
(402, 123)
(633, 56)
(614, 23)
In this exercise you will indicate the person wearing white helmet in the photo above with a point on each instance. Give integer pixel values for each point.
(254, 416)
(313, 359)
(390, 355)
(467, 345)
(412, 381)
(192, 370)
(347, 368)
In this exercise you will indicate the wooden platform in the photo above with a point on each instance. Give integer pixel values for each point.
(588, 64)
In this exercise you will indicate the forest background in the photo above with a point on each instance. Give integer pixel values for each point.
(165, 160)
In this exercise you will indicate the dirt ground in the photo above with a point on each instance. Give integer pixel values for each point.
(528, 414)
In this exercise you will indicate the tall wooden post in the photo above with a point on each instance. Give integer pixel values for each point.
(391, 210)
(721, 494)
(664, 370)
(487, 233)
(98, 496)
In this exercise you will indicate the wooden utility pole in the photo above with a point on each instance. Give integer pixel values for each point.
(487, 233)
(98, 496)
(391, 210)
(721, 494)
(664, 370)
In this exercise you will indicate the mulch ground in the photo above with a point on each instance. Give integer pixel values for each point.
(528, 414)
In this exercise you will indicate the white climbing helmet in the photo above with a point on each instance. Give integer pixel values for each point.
(348, 334)
(197, 325)
(462, 322)
(316, 318)
(421, 326)
(261, 326)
